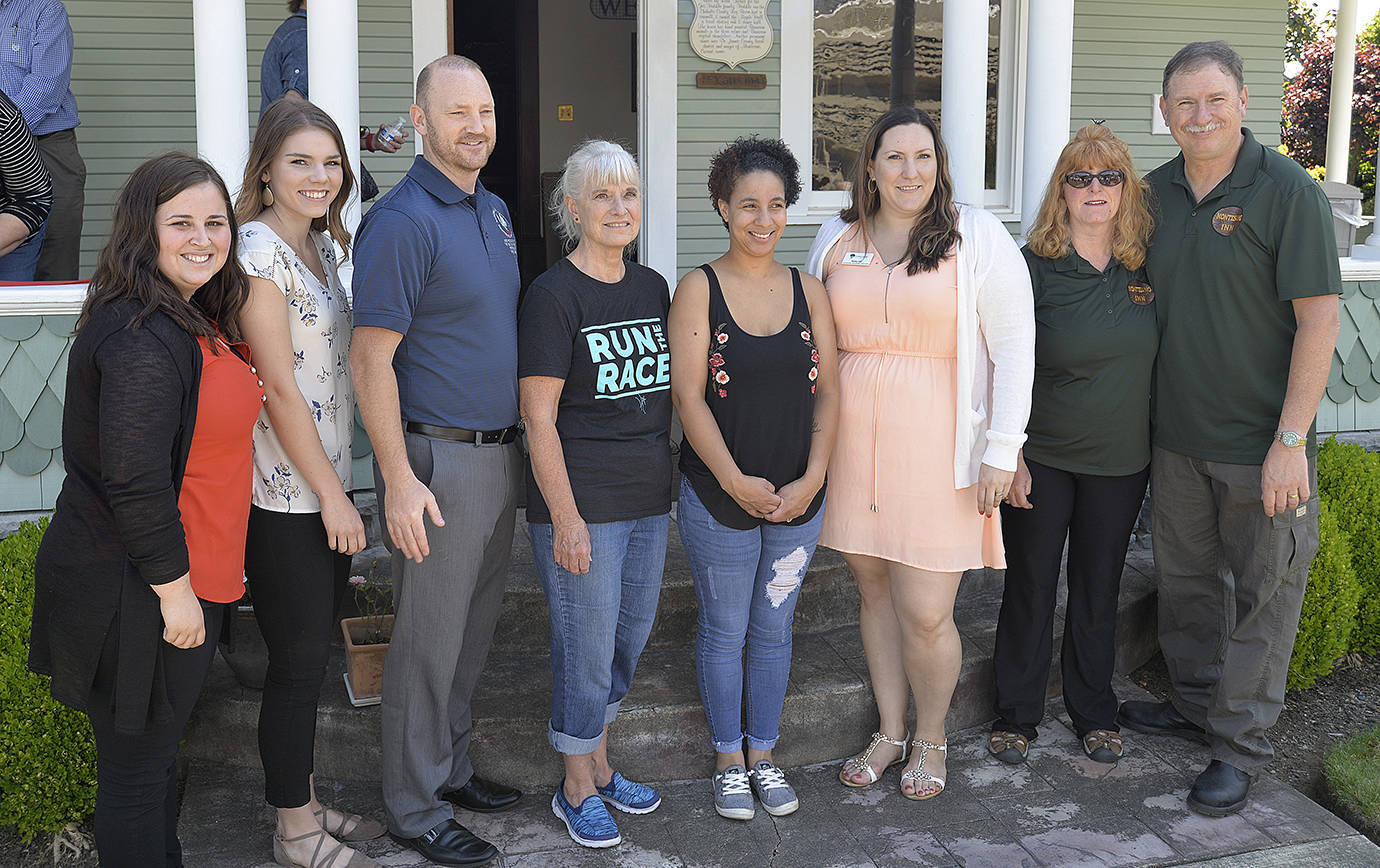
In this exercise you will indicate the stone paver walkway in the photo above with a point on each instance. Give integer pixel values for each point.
(1058, 809)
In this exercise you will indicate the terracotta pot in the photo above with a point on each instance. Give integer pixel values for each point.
(364, 662)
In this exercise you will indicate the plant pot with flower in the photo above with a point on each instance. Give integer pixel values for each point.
(366, 640)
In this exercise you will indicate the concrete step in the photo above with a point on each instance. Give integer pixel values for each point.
(661, 732)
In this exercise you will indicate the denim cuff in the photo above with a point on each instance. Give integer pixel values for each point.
(569, 744)
(761, 744)
(729, 746)
(611, 712)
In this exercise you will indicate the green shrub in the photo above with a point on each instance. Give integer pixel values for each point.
(1349, 480)
(1329, 605)
(47, 756)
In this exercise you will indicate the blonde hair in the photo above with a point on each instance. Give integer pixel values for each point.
(1095, 146)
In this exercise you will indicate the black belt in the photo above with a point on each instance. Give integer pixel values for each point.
(465, 435)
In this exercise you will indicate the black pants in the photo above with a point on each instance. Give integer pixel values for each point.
(62, 244)
(1096, 514)
(296, 583)
(136, 775)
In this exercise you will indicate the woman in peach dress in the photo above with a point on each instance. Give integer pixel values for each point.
(936, 336)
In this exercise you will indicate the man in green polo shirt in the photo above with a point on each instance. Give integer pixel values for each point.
(1245, 272)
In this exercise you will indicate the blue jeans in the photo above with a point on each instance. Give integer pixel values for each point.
(747, 583)
(19, 264)
(599, 623)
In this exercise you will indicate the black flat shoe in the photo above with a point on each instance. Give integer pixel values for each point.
(483, 797)
(1159, 718)
(449, 843)
(1220, 790)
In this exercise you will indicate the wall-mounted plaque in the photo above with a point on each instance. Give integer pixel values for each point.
(731, 31)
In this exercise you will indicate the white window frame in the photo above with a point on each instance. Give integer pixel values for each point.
(797, 113)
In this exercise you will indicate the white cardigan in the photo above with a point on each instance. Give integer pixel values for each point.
(996, 340)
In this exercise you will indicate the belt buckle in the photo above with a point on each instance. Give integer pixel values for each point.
(491, 437)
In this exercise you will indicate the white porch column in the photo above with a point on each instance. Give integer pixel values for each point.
(430, 40)
(963, 97)
(1343, 80)
(1049, 89)
(222, 87)
(657, 135)
(333, 76)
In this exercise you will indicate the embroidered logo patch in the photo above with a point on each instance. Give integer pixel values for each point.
(1140, 293)
(1225, 221)
(507, 228)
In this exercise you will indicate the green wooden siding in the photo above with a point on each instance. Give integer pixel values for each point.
(132, 75)
(1120, 48)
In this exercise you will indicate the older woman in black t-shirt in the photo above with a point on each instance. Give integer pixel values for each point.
(595, 378)
(1084, 467)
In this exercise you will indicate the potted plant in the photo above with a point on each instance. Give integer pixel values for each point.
(366, 639)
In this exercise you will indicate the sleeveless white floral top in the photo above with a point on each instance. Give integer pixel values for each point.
(320, 322)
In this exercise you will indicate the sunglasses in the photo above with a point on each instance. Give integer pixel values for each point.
(1107, 178)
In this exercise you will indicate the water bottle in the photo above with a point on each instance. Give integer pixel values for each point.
(391, 132)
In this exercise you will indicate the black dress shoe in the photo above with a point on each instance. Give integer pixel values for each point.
(1220, 790)
(1159, 718)
(450, 843)
(483, 797)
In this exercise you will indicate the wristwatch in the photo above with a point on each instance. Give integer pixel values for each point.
(1290, 439)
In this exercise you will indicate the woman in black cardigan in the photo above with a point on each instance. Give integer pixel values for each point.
(120, 622)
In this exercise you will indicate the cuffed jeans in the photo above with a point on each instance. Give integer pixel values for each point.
(600, 622)
(1095, 514)
(1231, 588)
(747, 583)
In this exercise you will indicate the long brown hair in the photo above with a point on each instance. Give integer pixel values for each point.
(283, 117)
(128, 264)
(935, 232)
(1095, 147)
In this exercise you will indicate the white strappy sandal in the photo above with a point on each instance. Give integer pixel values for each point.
(861, 764)
(918, 774)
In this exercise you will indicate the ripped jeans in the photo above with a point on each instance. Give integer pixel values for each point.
(747, 583)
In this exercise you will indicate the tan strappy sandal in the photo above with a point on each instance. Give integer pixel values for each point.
(862, 765)
(360, 828)
(1102, 745)
(318, 859)
(918, 774)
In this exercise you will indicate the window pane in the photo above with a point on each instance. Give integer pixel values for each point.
(852, 78)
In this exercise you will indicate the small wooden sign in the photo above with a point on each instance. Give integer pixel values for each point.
(731, 80)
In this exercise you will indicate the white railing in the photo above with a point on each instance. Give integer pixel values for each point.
(41, 299)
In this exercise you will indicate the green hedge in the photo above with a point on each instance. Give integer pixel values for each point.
(47, 756)
(1341, 608)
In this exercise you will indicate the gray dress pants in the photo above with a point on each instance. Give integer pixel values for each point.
(1231, 588)
(446, 610)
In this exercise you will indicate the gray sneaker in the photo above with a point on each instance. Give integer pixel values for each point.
(776, 795)
(733, 794)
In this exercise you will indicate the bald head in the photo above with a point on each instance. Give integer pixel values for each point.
(426, 79)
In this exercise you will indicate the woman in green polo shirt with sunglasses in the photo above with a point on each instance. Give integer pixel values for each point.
(1083, 471)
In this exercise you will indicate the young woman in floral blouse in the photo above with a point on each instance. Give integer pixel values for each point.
(753, 374)
(303, 527)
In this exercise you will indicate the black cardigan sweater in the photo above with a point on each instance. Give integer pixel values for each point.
(126, 431)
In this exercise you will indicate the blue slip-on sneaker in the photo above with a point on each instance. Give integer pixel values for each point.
(628, 796)
(591, 825)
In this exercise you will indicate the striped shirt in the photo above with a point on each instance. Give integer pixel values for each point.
(25, 189)
(36, 41)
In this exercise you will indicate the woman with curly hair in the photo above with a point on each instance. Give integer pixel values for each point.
(753, 374)
(1083, 471)
(145, 552)
(936, 352)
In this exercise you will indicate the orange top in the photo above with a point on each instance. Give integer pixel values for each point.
(215, 489)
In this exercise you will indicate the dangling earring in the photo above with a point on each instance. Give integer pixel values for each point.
(577, 218)
(267, 197)
(871, 184)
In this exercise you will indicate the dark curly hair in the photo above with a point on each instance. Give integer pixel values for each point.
(752, 154)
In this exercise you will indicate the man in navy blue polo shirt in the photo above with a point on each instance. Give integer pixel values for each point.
(435, 371)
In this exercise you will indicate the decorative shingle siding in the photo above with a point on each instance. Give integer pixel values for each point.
(33, 383)
(1352, 399)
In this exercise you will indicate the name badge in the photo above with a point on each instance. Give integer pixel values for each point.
(1140, 293)
(1225, 221)
(857, 259)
